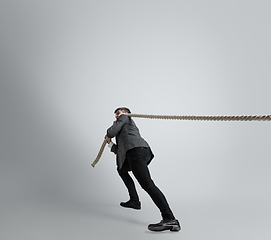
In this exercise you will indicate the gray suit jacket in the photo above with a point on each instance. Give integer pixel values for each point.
(127, 137)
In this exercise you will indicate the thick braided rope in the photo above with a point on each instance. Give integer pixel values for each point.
(206, 118)
(197, 118)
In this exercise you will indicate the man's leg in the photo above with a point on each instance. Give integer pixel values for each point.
(137, 159)
(133, 202)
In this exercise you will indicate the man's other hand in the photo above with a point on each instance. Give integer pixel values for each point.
(108, 140)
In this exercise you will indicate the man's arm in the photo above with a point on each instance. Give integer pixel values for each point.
(116, 127)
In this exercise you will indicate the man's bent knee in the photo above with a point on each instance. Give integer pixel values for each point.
(147, 184)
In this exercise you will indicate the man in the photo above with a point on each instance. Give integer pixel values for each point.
(134, 154)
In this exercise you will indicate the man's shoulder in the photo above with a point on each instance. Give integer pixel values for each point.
(124, 117)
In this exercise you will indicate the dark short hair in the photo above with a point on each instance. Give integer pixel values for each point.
(124, 109)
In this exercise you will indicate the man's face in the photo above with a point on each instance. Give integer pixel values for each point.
(118, 113)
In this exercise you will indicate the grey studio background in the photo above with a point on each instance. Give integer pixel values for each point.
(65, 67)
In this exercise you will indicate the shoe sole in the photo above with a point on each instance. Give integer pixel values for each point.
(136, 208)
(163, 228)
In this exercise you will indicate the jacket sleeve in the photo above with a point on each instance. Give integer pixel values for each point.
(116, 127)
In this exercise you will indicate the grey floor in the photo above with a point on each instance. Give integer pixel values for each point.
(91, 211)
(244, 218)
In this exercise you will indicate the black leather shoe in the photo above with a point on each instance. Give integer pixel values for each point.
(172, 225)
(131, 204)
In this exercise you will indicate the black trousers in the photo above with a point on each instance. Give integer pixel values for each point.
(136, 161)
